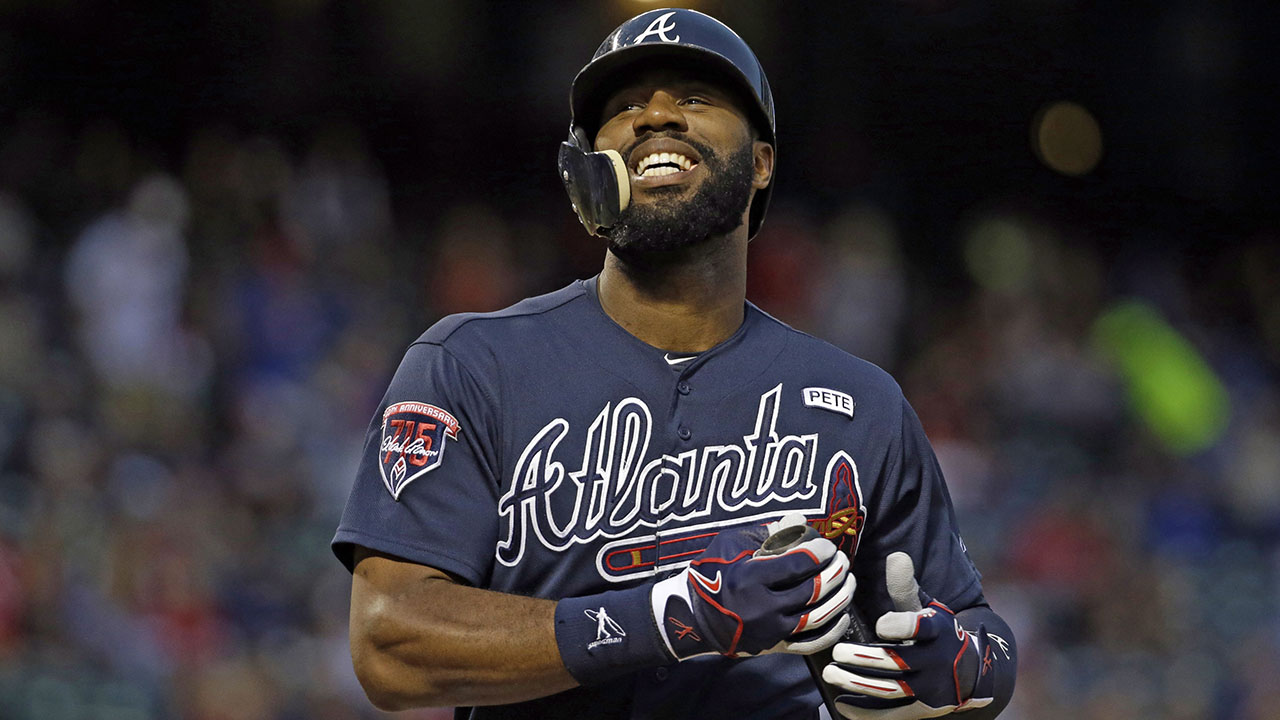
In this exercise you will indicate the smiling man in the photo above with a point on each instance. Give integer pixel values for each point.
(642, 497)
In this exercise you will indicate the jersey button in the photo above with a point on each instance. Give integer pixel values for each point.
(684, 388)
(660, 674)
(684, 433)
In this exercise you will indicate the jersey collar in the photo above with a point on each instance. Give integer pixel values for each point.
(717, 372)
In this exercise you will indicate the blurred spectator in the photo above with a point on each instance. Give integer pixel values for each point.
(125, 277)
(860, 293)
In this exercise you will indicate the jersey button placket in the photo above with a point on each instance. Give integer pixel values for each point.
(683, 388)
(683, 433)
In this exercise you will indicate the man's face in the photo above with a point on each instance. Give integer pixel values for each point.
(692, 156)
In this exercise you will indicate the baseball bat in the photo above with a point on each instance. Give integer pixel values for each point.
(782, 541)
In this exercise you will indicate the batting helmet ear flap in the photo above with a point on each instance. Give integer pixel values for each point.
(598, 183)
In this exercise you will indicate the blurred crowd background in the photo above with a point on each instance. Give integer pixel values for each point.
(221, 223)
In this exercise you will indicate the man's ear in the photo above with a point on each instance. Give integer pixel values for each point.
(762, 155)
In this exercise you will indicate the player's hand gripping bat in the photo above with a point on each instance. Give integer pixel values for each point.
(730, 600)
(924, 664)
(782, 539)
(738, 601)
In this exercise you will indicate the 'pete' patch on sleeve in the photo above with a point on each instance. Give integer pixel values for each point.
(412, 444)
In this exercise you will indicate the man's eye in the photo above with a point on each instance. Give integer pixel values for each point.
(695, 100)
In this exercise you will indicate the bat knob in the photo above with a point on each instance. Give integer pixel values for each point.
(786, 538)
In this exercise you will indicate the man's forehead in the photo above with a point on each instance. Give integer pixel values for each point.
(673, 77)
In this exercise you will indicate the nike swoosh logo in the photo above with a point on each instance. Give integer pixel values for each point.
(676, 361)
(712, 586)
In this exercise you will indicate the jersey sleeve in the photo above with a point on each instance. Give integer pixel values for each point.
(425, 490)
(912, 513)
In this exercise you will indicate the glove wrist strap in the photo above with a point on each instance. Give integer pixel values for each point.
(985, 682)
(673, 613)
(609, 634)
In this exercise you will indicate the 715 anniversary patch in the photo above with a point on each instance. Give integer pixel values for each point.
(412, 444)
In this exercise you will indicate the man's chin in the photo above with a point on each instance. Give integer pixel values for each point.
(665, 205)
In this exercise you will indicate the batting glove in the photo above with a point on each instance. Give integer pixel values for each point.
(741, 598)
(929, 665)
(744, 595)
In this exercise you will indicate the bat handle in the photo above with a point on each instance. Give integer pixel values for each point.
(780, 542)
(858, 633)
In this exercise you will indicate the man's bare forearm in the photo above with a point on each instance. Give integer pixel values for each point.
(420, 639)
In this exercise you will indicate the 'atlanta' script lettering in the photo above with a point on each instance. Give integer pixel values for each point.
(617, 488)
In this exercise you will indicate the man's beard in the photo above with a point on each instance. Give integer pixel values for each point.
(669, 224)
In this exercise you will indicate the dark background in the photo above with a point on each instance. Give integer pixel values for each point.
(221, 223)
(923, 104)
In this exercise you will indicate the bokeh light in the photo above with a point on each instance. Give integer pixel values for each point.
(1066, 138)
(1170, 386)
(997, 254)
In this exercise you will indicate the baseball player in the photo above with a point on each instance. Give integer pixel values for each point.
(640, 496)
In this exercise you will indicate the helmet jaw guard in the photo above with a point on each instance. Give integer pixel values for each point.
(597, 182)
(687, 36)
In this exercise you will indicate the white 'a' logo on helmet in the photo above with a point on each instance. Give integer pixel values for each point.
(659, 27)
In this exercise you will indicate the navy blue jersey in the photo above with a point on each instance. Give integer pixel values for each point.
(543, 450)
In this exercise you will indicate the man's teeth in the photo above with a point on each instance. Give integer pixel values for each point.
(659, 164)
(659, 171)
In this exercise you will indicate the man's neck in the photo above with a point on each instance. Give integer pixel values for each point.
(685, 302)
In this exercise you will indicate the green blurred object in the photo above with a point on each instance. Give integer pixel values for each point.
(999, 255)
(1170, 385)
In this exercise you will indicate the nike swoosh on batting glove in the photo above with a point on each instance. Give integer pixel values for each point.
(929, 666)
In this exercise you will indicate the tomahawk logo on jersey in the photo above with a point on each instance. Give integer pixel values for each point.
(581, 461)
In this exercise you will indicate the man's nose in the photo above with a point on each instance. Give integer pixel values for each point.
(661, 113)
